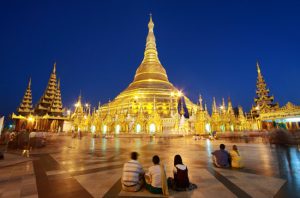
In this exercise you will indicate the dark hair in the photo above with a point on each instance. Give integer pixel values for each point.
(177, 160)
(222, 146)
(134, 155)
(155, 159)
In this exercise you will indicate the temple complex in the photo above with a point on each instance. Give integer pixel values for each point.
(152, 105)
(48, 113)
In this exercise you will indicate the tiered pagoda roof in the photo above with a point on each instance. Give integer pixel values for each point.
(56, 108)
(263, 101)
(44, 104)
(25, 107)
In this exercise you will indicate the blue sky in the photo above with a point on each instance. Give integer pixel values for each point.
(208, 47)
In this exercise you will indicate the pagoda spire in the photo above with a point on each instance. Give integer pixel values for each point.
(56, 107)
(151, 54)
(214, 106)
(230, 108)
(25, 107)
(263, 100)
(45, 102)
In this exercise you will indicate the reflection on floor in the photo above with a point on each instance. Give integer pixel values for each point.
(93, 168)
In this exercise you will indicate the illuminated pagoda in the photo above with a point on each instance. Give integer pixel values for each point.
(48, 113)
(25, 110)
(263, 101)
(152, 105)
(148, 102)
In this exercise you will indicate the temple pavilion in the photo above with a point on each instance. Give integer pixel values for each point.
(47, 115)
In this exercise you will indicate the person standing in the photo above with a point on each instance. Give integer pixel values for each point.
(221, 158)
(133, 174)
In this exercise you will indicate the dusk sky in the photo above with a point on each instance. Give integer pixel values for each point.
(208, 47)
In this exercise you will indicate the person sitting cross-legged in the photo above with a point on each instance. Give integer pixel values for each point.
(236, 160)
(221, 158)
(133, 174)
(181, 179)
(153, 177)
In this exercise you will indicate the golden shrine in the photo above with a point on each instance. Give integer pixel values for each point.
(152, 105)
(48, 113)
(268, 114)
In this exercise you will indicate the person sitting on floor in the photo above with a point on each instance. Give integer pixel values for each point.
(236, 161)
(181, 178)
(221, 158)
(133, 174)
(154, 176)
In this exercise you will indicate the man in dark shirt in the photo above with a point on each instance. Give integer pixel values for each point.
(221, 157)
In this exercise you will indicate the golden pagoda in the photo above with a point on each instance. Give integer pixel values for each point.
(148, 99)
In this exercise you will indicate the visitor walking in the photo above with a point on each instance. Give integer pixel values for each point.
(221, 157)
(235, 157)
(133, 174)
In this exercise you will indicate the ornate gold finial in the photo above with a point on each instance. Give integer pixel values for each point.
(54, 67)
(150, 24)
(257, 67)
(29, 83)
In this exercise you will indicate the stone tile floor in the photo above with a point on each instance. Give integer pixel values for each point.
(92, 168)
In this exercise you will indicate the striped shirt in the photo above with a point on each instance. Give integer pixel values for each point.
(132, 172)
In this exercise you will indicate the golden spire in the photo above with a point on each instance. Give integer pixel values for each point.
(54, 67)
(25, 107)
(150, 54)
(257, 67)
(150, 68)
(214, 106)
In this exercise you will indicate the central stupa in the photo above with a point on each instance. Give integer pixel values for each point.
(150, 85)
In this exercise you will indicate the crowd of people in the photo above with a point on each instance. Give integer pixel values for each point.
(155, 181)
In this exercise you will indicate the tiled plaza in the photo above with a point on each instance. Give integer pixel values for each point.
(93, 167)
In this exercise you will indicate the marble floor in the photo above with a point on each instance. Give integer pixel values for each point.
(93, 167)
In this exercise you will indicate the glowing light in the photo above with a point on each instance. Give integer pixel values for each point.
(136, 97)
(292, 119)
(232, 127)
(30, 118)
(86, 104)
(93, 128)
(172, 94)
(257, 107)
(104, 129)
(179, 93)
(85, 117)
(152, 128)
(118, 128)
(207, 127)
(138, 128)
(68, 112)
(77, 104)
(222, 107)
